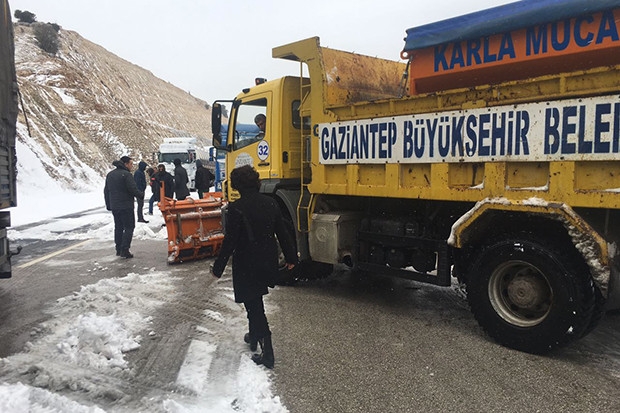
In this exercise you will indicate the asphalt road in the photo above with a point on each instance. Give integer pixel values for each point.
(376, 344)
(346, 343)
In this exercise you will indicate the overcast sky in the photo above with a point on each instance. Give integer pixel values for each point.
(213, 49)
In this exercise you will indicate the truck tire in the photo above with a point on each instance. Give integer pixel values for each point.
(531, 296)
(597, 313)
(313, 270)
(285, 276)
(305, 269)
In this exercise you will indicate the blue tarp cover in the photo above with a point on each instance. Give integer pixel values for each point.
(501, 19)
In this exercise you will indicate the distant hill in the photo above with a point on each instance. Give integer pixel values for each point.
(86, 107)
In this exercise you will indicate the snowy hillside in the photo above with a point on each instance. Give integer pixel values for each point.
(86, 107)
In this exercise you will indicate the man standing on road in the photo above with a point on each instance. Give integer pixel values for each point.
(204, 179)
(168, 180)
(140, 179)
(180, 180)
(252, 225)
(119, 191)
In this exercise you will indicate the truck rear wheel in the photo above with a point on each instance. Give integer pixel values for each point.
(530, 296)
(306, 269)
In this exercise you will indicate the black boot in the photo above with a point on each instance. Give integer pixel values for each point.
(251, 341)
(126, 254)
(266, 357)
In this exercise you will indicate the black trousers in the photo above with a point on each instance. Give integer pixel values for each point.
(259, 328)
(140, 202)
(151, 202)
(124, 224)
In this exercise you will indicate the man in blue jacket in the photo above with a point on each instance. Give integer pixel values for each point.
(140, 178)
(119, 191)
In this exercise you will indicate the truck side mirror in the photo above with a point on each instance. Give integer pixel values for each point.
(216, 124)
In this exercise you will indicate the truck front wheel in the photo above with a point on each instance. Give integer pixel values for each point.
(530, 296)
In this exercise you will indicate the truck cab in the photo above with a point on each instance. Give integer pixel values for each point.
(274, 152)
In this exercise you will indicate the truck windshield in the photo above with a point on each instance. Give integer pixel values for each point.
(185, 157)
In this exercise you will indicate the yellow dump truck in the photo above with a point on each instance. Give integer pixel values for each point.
(490, 155)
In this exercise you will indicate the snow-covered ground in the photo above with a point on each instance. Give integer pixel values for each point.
(91, 330)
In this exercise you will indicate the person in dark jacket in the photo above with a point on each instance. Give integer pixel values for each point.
(252, 224)
(150, 177)
(119, 191)
(204, 179)
(140, 177)
(168, 180)
(180, 180)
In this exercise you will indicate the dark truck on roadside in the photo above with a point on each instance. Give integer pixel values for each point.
(8, 131)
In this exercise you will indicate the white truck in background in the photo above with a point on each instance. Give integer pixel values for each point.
(183, 148)
(186, 150)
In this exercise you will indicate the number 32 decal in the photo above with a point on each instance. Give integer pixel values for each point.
(263, 150)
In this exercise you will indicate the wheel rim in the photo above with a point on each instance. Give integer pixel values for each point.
(520, 293)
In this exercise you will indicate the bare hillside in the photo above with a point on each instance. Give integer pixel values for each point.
(86, 107)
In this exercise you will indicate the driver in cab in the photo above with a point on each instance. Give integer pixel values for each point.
(260, 120)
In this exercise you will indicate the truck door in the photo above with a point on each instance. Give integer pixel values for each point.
(251, 135)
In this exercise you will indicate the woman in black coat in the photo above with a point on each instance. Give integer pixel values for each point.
(252, 224)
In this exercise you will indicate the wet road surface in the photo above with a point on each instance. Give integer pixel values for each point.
(342, 344)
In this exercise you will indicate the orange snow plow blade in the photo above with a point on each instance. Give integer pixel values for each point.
(194, 227)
